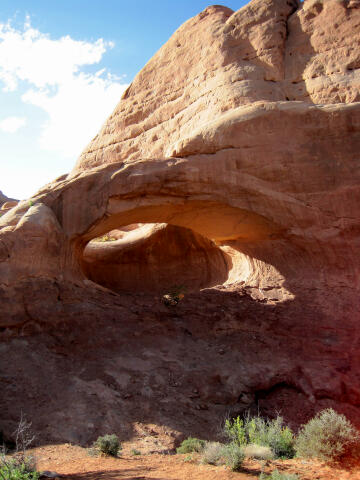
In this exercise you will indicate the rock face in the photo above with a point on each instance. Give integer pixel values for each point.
(6, 203)
(3, 198)
(242, 136)
(221, 60)
(321, 61)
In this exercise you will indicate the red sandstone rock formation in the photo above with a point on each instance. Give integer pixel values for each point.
(4, 199)
(243, 135)
(6, 203)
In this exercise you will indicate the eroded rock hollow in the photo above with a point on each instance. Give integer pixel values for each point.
(234, 158)
(156, 258)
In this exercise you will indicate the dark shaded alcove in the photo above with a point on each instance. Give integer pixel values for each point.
(154, 258)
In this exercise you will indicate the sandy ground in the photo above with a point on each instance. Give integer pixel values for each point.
(74, 463)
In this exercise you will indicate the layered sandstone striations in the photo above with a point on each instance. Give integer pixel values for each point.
(221, 60)
(239, 142)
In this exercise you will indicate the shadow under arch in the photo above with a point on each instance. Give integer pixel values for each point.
(155, 258)
(211, 229)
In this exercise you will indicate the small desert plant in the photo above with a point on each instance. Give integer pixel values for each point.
(20, 466)
(280, 438)
(276, 475)
(93, 451)
(188, 458)
(234, 456)
(212, 453)
(258, 431)
(105, 238)
(14, 471)
(108, 445)
(174, 295)
(135, 452)
(191, 445)
(326, 436)
(236, 431)
(258, 452)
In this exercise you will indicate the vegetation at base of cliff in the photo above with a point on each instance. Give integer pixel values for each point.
(215, 453)
(212, 453)
(14, 471)
(276, 475)
(20, 466)
(259, 431)
(234, 456)
(135, 452)
(191, 445)
(327, 436)
(107, 445)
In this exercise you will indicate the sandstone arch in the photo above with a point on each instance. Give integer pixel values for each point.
(223, 195)
(246, 149)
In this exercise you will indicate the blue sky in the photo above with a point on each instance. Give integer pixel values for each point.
(63, 67)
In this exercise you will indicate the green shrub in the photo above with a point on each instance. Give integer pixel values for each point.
(11, 470)
(20, 466)
(108, 445)
(93, 451)
(191, 445)
(234, 456)
(212, 453)
(326, 436)
(276, 475)
(135, 452)
(280, 438)
(105, 238)
(236, 430)
(258, 452)
(258, 431)
(188, 458)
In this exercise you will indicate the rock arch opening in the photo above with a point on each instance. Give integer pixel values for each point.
(196, 244)
(155, 257)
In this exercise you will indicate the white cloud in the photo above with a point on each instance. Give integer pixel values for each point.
(77, 103)
(30, 55)
(76, 111)
(12, 124)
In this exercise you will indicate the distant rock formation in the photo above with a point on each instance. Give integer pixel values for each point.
(242, 136)
(4, 198)
(6, 203)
